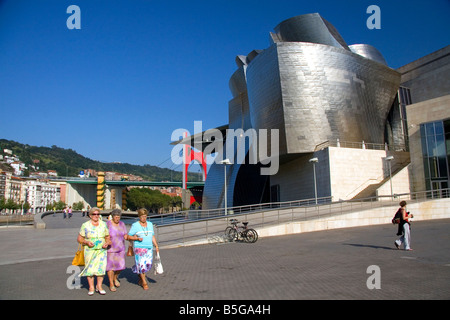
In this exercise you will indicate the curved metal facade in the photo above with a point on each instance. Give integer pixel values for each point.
(313, 93)
(308, 28)
(312, 87)
(369, 52)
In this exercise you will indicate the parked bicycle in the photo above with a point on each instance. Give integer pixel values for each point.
(240, 233)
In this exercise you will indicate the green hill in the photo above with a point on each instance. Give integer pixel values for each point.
(67, 162)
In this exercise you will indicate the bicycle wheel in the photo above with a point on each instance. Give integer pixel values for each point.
(230, 233)
(251, 235)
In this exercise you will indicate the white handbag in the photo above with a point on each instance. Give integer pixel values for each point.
(158, 265)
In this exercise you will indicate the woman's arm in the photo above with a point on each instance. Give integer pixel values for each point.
(404, 215)
(82, 240)
(132, 238)
(107, 242)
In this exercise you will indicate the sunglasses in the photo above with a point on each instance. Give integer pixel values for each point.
(95, 214)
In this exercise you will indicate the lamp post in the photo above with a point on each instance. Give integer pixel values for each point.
(225, 163)
(389, 159)
(314, 161)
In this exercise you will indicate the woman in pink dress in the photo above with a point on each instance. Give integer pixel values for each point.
(116, 252)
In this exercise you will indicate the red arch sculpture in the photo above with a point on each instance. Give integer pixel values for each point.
(189, 155)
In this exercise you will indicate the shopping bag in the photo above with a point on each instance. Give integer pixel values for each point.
(78, 260)
(158, 265)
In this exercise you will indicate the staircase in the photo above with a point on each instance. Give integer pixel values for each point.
(403, 160)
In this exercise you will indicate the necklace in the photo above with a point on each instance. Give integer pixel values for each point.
(145, 230)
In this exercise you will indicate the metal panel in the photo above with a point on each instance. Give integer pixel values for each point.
(369, 52)
(309, 28)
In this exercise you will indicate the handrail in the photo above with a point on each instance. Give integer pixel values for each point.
(360, 145)
(206, 227)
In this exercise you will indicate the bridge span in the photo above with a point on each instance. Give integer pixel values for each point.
(112, 192)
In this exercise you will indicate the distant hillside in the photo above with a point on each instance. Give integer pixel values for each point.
(67, 162)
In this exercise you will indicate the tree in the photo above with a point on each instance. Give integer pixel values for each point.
(152, 200)
(60, 205)
(11, 205)
(55, 205)
(176, 202)
(78, 205)
(26, 206)
(195, 205)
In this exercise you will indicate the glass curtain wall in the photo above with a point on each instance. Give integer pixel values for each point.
(436, 154)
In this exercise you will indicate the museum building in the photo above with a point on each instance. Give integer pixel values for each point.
(348, 125)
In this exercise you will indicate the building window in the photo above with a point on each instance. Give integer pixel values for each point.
(436, 153)
(404, 95)
(275, 193)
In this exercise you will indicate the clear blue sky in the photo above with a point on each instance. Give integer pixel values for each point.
(139, 69)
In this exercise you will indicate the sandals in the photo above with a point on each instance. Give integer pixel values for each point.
(143, 285)
(115, 285)
(101, 291)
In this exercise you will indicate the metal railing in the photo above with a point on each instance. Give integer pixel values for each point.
(210, 227)
(18, 219)
(361, 145)
(196, 215)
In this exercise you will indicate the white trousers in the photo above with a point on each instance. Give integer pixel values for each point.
(405, 238)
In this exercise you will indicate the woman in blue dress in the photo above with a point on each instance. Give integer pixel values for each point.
(142, 233)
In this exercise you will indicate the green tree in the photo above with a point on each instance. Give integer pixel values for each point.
(26, 206)
(152, 200)
(11, 205)
(59, 205)
(78, 205)
(195, 205)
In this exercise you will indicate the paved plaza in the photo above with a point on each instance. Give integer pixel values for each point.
(333, 264)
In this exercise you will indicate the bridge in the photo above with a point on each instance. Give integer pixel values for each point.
(108, 194)
(127, 183)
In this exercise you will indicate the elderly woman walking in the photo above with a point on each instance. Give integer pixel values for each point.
(94, 235)
(143, 235)
(116, 252)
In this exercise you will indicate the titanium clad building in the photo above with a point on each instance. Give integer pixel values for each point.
(315, 90)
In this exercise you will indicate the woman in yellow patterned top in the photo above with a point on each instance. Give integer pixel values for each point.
(94, 235)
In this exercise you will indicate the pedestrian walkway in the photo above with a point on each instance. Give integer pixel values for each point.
(333, 264)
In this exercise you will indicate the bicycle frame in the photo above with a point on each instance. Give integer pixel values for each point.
(243, 233)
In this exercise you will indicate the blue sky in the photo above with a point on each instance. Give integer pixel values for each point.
(116, 89)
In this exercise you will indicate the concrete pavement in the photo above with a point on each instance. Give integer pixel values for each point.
(332, 264)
